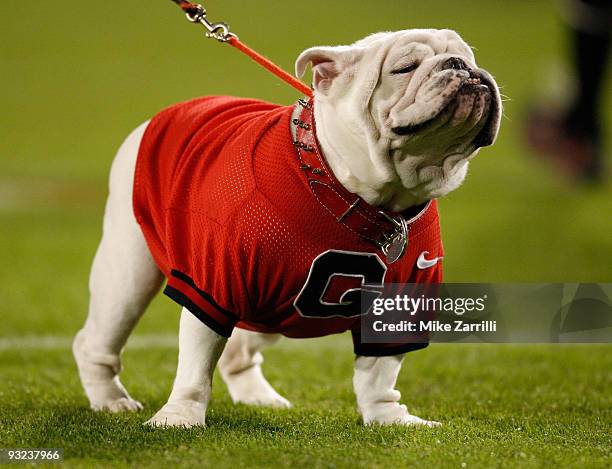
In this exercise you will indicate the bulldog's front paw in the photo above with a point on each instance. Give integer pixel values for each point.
(184, 414)
(394, 414)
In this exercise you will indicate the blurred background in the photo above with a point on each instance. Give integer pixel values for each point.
(77, 77)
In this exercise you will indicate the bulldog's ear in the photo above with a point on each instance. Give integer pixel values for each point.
(327, 64)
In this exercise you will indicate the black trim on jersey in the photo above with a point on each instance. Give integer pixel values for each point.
(194, 309)
(379, 350)
(188, 280)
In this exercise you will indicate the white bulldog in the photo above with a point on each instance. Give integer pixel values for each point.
(398, 117)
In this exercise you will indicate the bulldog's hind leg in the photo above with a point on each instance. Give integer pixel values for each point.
(240, 367)
(123, 280)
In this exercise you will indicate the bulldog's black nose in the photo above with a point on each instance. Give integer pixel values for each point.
(455, 63)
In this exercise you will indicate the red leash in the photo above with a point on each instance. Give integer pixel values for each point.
(220, 31)
(275, 69)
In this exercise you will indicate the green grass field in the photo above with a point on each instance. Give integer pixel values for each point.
(77, 77)
(535, 406)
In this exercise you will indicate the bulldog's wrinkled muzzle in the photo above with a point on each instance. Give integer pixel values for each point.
(476, 81)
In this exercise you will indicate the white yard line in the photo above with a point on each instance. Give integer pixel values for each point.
(56, 342)
(157, 341)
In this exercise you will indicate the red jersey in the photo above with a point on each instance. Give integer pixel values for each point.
(252, 230)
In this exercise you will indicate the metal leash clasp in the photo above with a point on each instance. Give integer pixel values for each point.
(219, 31)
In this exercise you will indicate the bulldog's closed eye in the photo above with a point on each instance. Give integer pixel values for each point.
(407, 69)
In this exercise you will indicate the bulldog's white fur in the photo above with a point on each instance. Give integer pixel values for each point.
(398, 116)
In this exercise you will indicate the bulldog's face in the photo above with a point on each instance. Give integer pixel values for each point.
(415, 100)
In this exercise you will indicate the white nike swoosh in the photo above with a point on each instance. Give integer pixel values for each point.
(423, 263)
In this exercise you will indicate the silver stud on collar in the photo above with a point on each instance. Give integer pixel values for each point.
(305, 104)
(301, 124)
(303, 146)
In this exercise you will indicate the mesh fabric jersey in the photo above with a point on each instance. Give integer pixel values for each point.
(230, 219)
